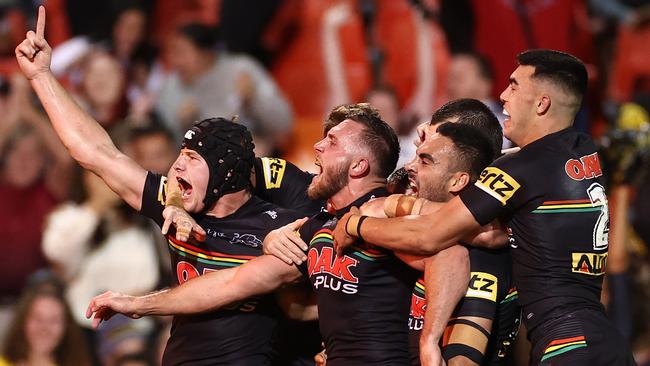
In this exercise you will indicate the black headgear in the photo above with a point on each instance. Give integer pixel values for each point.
(227, 148)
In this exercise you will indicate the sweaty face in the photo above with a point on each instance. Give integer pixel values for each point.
(192, 174)
(45, 325)
(334, 154)
(519, 103)
(431, 170)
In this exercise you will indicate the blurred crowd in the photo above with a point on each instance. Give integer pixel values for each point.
(147, 69)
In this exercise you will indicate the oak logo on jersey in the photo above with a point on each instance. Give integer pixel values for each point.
(418, 309)
(273, 172)
(339, 269)
(483, 286)
(588, 167)
(497, 184)
(592, 264)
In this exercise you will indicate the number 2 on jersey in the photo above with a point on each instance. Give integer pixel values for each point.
(596, 193)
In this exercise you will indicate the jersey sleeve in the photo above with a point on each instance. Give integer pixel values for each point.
(489, 281)
(284, 184)
(153, 197)
(498, 192)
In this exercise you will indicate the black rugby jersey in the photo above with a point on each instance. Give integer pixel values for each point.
(363, 298)
(551, 194)
(240, 334)
(490, 295)
(284, 184)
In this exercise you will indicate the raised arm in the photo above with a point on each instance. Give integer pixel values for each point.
(86, 141)
(208, 292)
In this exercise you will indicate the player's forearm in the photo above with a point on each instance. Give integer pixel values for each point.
(201, 294)
(445, 273)
(84, 138)
(418, 235)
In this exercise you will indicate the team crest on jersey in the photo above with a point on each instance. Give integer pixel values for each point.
(273, 172)
(587, 167)
(246, 239)
(497, 184)
(592, 264)
(482, 285)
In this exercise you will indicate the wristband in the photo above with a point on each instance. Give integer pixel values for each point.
(417, 206)
(353, 226)
(174, 199)
(390, 204)
(361, 220)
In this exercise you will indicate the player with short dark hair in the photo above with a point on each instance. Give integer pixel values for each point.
(551, 196)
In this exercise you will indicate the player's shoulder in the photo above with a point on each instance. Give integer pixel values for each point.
(272, 215)
(271, 173)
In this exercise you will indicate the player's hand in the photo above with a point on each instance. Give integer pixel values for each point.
(492, 236)
(422, 130)
(184, 223)
(430, 354)
(342, 240)
(104, 306)
(374, 207)
(34, 54)
(321, 358)
(286, 244)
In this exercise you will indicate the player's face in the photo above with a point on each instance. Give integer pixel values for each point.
(430, 172)
(192, 174)
(519, 103)
(333, 157)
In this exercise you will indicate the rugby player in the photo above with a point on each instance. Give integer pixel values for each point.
(371, 286)
(213, 170)
(551, 196)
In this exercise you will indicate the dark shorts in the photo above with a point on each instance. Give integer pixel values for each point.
(581, 337)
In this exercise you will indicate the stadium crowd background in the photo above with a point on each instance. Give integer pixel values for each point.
(145, 70)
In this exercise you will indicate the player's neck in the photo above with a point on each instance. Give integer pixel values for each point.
(543, 128)
(355, 189)
(229, 203)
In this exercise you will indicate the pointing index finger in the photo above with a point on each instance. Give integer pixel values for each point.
(40, 22)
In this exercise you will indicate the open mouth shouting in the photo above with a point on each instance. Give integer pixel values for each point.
(185, 186)
(413, 185)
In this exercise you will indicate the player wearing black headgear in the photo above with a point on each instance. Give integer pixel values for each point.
(227, 148)
(213, 169)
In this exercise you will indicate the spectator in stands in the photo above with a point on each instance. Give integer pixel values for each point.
(102, 90)
(34, 171)
(43, 332)
(97, 242)
(153, 147)
(206, 83)
(470, 76)
(385, 100)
